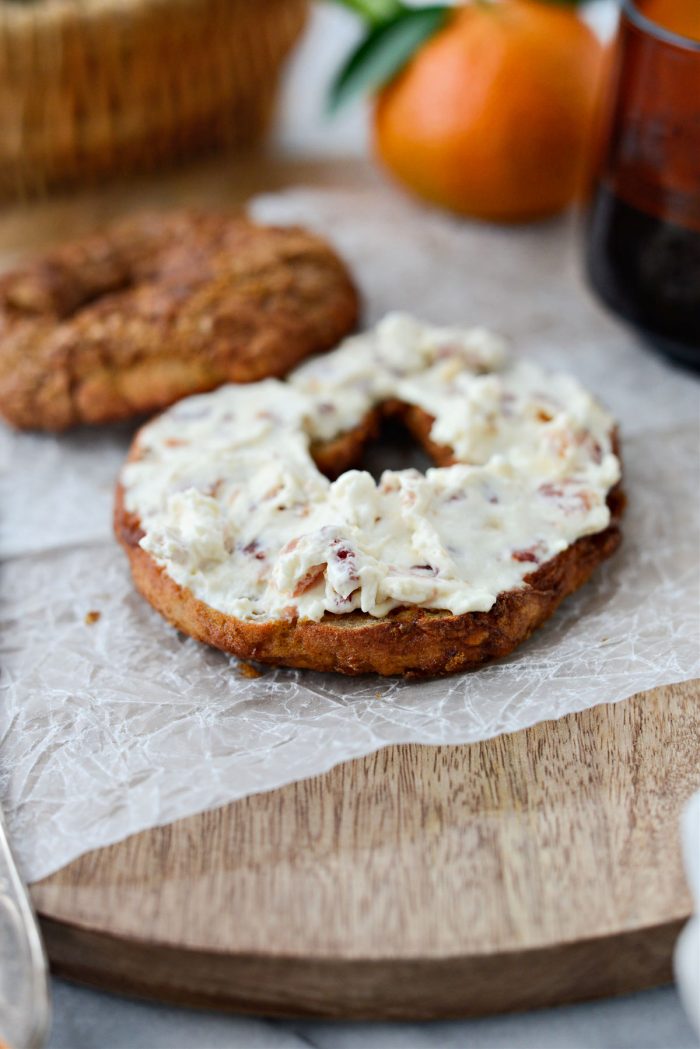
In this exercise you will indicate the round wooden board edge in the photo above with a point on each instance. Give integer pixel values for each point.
(453, 984)
(360, 989)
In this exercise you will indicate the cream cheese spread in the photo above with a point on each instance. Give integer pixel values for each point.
(234, 508)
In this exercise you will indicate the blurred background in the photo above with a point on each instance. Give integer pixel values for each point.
(503, 111)
(96, 90)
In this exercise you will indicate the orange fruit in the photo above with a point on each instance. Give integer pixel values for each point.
(493, 116)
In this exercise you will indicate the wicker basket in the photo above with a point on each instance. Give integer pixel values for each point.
(93, 87)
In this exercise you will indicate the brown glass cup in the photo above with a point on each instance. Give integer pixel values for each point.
(643, 229)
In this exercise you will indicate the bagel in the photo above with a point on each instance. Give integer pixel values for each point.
(235, 535)
(128, 321)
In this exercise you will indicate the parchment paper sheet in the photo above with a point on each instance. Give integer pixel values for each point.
(110, 728)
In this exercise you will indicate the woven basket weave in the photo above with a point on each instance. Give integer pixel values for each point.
(93, 87)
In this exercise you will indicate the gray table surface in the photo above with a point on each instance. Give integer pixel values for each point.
(85, 1019)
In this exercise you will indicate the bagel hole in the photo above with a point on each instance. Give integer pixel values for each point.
(394, 448)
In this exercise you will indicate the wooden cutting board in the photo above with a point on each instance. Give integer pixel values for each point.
(420, 882)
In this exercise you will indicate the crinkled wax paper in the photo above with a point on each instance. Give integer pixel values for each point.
(111, 727)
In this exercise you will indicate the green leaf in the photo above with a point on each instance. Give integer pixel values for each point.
(375, 12)
(385, 51)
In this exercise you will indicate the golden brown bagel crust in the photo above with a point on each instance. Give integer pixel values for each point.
(412, 642)
(130, 320)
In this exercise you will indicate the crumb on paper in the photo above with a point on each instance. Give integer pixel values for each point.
(92, 617)
(377, 695)
(248, 670)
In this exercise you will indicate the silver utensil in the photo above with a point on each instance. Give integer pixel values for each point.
(24, 991)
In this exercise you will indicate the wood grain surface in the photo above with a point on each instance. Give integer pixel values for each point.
(419, 882)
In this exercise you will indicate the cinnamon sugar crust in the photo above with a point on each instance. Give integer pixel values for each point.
(129, 320)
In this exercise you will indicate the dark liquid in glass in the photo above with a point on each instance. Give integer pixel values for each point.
(643, 238)
(647, 269)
